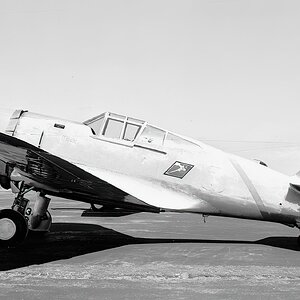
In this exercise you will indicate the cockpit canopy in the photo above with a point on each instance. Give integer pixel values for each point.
(130, 131)
(115, 126)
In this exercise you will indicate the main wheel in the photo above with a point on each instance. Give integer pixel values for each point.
(13, 227)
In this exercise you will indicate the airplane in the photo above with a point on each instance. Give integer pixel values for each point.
(126, 164)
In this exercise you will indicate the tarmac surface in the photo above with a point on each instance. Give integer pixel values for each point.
(151, 256)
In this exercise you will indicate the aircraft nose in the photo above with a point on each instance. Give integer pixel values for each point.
(5, 114)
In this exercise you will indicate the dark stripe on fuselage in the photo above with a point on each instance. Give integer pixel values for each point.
(260, 205)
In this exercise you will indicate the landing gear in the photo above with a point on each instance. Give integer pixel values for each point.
(13, 227)
(23, 217)
(39, 219)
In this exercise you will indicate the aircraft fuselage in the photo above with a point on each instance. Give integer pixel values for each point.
(167, 170)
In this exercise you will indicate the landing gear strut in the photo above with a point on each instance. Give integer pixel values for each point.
(39, 219)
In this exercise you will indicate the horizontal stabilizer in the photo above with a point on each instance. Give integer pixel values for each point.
(295, 187)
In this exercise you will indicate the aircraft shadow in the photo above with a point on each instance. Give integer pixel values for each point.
(66, 240)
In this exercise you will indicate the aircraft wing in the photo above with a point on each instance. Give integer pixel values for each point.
(61, 178)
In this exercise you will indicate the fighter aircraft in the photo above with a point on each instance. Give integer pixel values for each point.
(126, 164)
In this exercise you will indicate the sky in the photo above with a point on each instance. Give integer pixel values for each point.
(220, 71)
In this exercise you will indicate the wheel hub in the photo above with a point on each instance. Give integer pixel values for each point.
(7, 229)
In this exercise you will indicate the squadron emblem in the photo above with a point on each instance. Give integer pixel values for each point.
(179, 169)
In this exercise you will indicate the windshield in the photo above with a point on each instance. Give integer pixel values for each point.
(115, 126)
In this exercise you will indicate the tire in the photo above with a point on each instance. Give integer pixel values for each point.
(13, 228)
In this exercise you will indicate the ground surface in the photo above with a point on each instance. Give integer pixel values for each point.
(149, 256)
